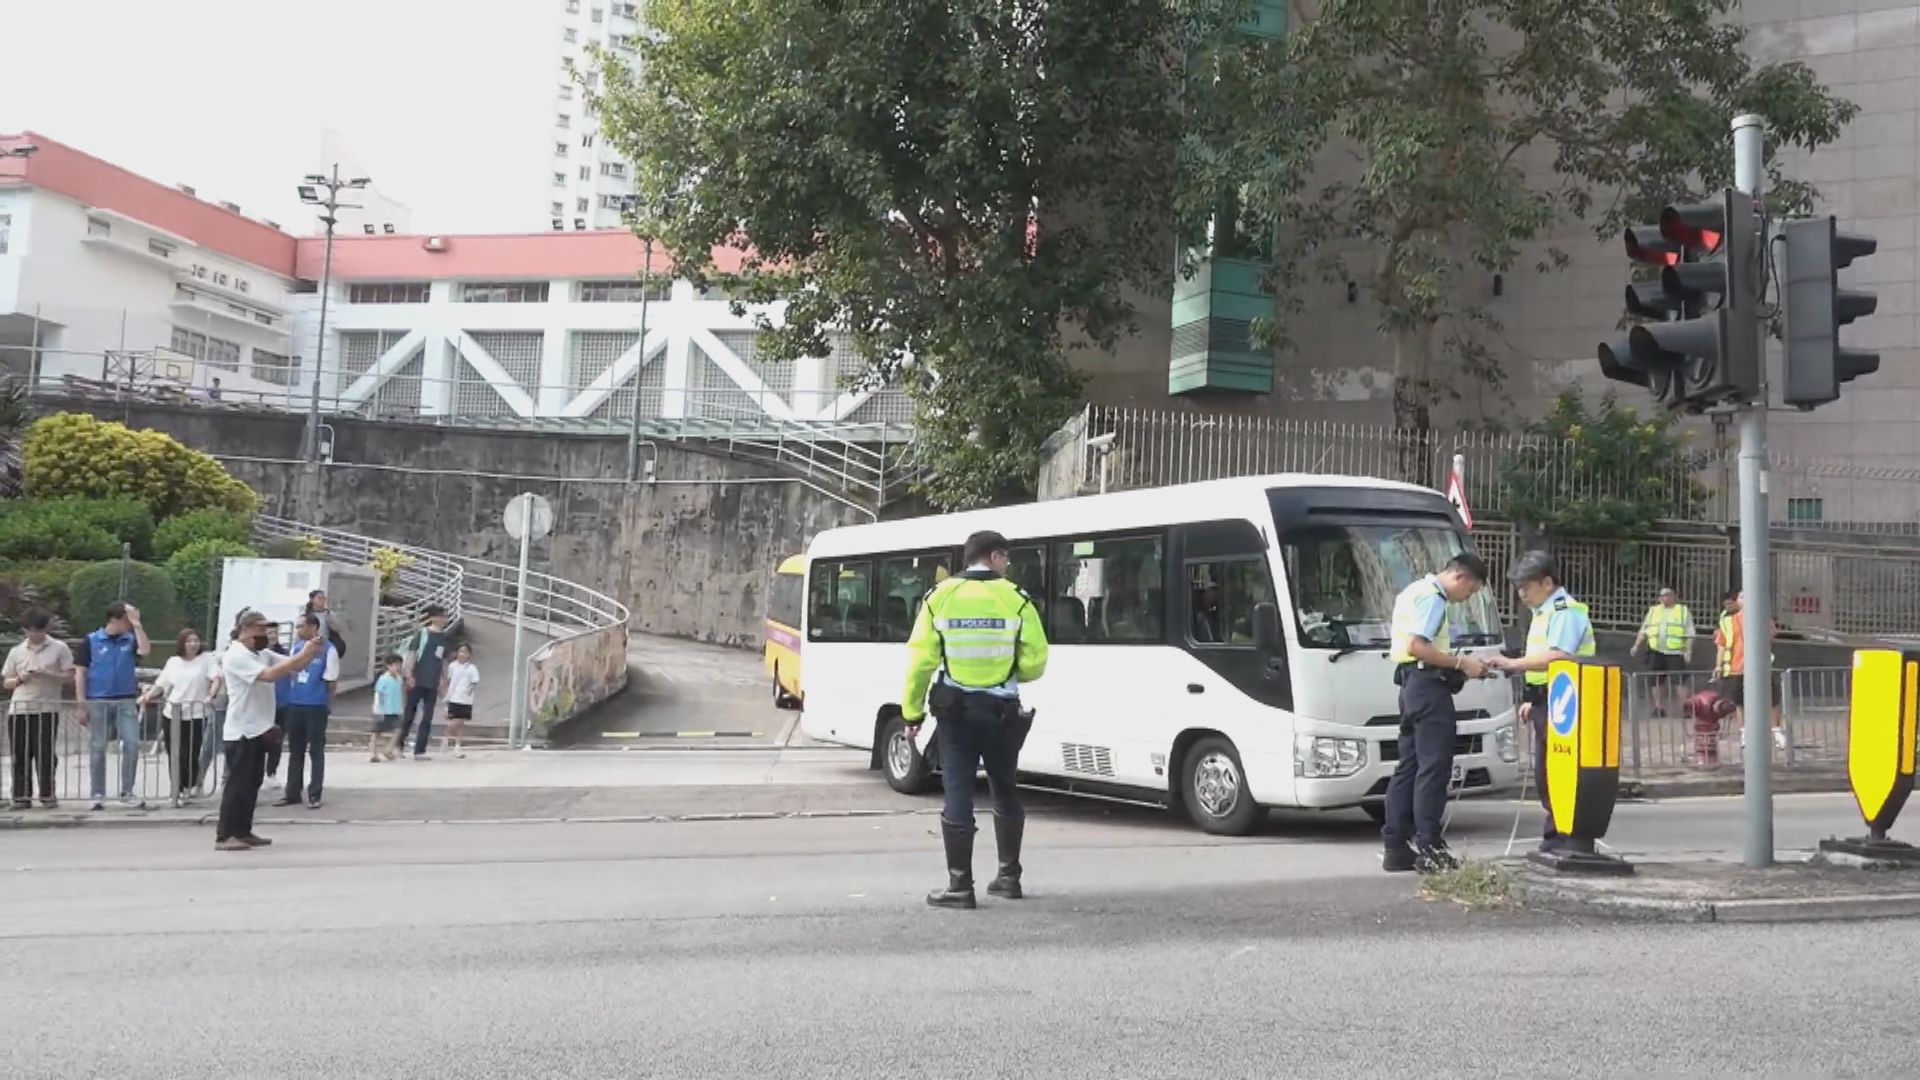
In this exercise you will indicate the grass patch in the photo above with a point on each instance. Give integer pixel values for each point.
(1478, 885)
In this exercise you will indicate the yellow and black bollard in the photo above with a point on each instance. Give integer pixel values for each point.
(1581, 772)
(1881, 714)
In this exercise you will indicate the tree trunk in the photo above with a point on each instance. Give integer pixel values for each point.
(1412, 402)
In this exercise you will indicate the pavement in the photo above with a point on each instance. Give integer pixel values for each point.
(801, 948)
(1796, 890)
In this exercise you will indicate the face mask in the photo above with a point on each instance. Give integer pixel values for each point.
(259, 642)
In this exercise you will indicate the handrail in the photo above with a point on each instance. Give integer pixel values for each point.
(566, 611)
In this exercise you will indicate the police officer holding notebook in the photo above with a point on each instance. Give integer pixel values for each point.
(976, 639)
(1428, 674)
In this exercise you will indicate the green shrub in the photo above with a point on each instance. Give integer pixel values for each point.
(96, 585)
(306, 548)
(193, 571)
(77, 454)
(26, 537)
(196, 525)
(73, 528)
(43, 585)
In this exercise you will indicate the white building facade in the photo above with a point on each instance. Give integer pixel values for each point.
(108, 277)
(589, 179)
(111, 281)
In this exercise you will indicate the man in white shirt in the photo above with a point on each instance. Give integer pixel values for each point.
(250, 673)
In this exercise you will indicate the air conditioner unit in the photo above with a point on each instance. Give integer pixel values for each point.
(368, 228)
(559, 224)
(387, 228)
(434, 243)
(580, 224)
(231, 207)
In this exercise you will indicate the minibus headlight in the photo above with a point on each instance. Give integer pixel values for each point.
(1322, 756)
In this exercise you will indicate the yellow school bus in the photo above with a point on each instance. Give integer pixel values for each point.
(785, 601)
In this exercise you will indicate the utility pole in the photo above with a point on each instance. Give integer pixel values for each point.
(331, 206)
(1756, 571)
(633, 420)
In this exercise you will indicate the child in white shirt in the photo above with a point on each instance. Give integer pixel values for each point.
(462, 679)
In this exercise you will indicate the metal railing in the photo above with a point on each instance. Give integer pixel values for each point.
(871, 453)
(1153, 447)
(573, 617)
(427, 579)
(1661, 732)
(59, 750)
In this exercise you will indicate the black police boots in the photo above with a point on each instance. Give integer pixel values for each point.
(959, 890)
(1006, 840)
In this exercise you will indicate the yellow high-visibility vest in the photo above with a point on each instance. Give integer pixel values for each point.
(1668, 628)
(1537, 634)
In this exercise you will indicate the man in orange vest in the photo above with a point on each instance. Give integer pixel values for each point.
(1731, 637)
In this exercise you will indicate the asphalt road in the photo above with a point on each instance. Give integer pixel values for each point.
(800, 948)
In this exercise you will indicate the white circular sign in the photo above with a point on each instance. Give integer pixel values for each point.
(529, 513)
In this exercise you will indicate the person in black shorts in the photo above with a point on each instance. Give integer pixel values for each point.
(460, 681)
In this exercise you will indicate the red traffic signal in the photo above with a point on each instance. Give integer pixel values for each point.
(1701, 226)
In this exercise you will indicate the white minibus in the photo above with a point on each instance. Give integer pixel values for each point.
(1220, 648)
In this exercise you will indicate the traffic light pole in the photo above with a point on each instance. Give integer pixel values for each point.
(1756, 576)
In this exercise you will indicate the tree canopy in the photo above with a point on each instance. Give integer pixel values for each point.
(967, 189)
(1414, 146)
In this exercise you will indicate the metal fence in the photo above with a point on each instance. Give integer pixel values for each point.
(570, 615)
(1152, 447)
(71, 753)
(1660, 731)
(1846, 582)
(872, 453)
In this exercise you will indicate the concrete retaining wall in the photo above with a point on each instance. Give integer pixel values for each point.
(690, 554)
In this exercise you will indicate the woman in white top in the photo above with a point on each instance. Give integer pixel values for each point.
(462, 679)
(187, 684)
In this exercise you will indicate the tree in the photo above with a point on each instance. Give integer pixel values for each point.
(1601, 474)
(966, 188)
(1407, 145)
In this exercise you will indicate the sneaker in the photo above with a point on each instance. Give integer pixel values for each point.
(255, 841)
(1436, 860)
(50, 804)
(133, 802)
(1779, 739)
(287, 800)
(23, 804)
(99, 803)
(1398, 859)
(232, 843)
(313, 803)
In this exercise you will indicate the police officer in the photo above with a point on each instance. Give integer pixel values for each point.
(1428, 675)
(1560, 630)
(982, 636)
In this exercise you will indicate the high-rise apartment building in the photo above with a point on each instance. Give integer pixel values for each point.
(589, 178)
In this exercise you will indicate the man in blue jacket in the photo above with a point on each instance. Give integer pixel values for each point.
(103, 677)
(309, 696)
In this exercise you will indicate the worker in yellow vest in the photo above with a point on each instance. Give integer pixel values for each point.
(1666, 637)
(976, 640)
(1733, 684)
(1561, 630)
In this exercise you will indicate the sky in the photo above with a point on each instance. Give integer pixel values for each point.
(445, 104)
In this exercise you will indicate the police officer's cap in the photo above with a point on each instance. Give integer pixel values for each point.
(1533, 566)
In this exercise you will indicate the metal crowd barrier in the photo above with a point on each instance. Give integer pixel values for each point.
(172, 757)
(1660, 732)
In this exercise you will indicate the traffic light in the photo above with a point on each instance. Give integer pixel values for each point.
(1705, 347)
(1815, 307)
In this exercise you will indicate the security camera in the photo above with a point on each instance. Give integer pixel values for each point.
(1101, 443)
